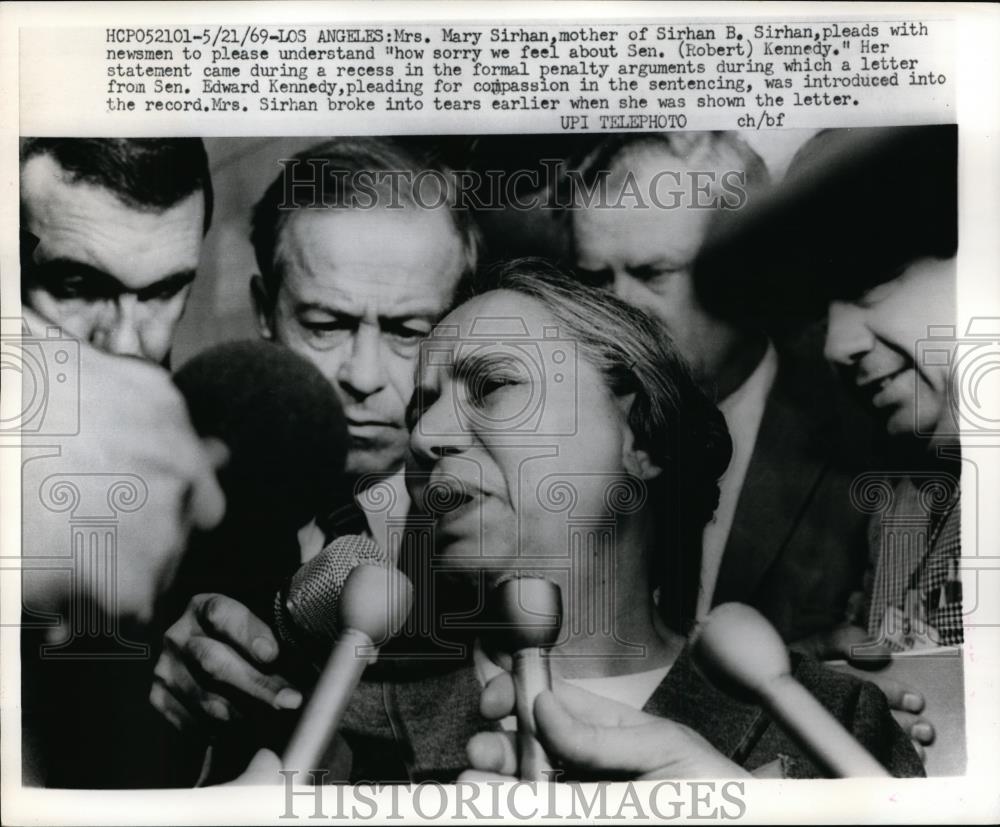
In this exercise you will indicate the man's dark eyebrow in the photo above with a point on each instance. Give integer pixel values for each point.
(57, 269)
(99, 281)
(168, 285)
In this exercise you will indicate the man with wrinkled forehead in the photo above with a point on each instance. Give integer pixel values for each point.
(355, 267)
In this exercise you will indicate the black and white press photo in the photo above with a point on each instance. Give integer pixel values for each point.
(612, 456)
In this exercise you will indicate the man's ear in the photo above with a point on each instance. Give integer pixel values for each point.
(262, 306)
(635, 460)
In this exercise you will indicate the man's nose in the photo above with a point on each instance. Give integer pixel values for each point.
(629, 289)
(847, 337)
(363, 372)
(442, 430)
(120, 332)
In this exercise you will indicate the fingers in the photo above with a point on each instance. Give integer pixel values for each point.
(497, 700)
(171, 708)
(223, 665)
(262, 769)
(920, 730)
(229, 620)
(478, 777)
(493, 752)
(582, 745)
(901, 697)
(591, 709)
(209, 663)
(860, 649)
(174, 686)
(650, 747)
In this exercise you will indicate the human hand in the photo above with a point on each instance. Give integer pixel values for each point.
(262, 769)
(592, 737)
(846, 641)
(860, 650)
(214, 667)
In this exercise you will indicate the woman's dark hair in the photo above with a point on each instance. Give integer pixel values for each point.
(670, 417)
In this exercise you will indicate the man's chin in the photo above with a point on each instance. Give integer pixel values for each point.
(922, 422)
(366, 459)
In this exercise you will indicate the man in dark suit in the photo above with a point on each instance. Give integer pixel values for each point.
(785, 538)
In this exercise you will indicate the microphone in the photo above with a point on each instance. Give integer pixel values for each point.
(374, 603)
(281, 420)
(528, 610)
(307, 610)
(287, 438)
(738, 651)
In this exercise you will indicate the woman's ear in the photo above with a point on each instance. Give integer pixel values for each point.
(635, 460)
(262, 307)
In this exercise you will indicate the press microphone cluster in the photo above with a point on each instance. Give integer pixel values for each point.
(738, 651)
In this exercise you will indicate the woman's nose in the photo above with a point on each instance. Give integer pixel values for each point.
(848, 339)
(632, 291)
(442, 430)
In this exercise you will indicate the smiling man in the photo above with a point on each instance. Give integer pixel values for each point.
(873, 339)
(891, 286)
(111, 236)
(869, 221)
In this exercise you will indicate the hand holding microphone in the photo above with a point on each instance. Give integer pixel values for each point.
(594, 738)
(374, 604)
(219, 660)
(529, 613)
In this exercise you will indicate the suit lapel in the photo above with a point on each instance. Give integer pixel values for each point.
(789, 457)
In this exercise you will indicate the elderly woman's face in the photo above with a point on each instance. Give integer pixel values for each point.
(515, 439)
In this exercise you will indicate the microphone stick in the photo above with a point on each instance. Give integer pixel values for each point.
(529, 610)
(742, 654)
(373, 606)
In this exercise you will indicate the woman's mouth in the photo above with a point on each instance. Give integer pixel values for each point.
(447, 501)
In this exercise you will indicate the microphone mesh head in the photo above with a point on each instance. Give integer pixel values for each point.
(314, 592)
